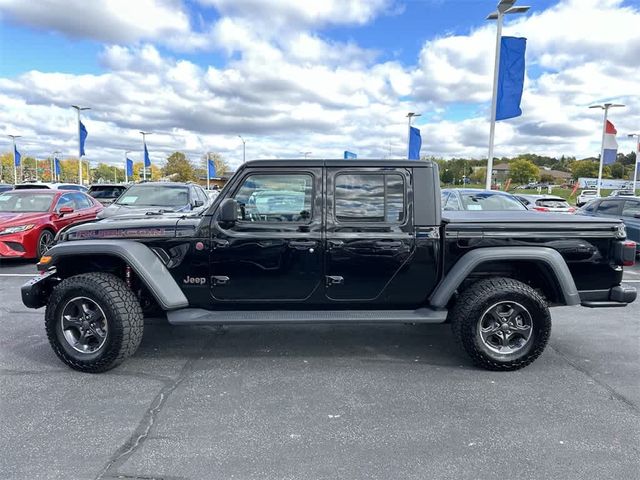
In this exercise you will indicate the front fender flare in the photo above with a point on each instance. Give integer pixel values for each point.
(463, 267)
(146, 265)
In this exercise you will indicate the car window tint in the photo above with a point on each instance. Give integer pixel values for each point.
(65, 201)
(275, 198)
(200, 195)
(631, 208)
(590, 207)
(609, 207)
(369, 198)
(82, 201)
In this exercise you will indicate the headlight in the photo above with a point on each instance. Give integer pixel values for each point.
(18, 229)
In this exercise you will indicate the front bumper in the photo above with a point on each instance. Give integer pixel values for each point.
(618, 296)
(17, 245)
(37, 290)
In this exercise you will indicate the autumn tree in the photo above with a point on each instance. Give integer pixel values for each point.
(179, 168)
(222, 167)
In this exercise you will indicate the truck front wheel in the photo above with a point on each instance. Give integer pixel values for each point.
(93, 322)
(503, 324)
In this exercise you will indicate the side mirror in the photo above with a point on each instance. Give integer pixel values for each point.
(65, 210)
(197, 203)
(228, 211)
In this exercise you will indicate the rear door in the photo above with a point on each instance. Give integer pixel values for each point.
(609, 208)
(631, 219)
(369, 235)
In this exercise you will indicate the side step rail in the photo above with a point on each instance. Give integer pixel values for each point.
(197, 316)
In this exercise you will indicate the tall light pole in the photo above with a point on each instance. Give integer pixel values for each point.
(605, 107)
(410, 116)
(306, 154)
(637, 164)
(244, 149)
(144, 160)
(126, 175)
(15, 170)
(78, 110)
(505, 7)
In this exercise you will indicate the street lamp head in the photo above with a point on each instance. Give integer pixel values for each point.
(519, 9)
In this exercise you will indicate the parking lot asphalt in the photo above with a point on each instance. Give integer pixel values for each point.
(321, 402)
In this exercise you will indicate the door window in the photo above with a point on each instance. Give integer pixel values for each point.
(65, 201)
(275, 198)
(631, 208)
(609, 207)
(366, 197)
(81, 201)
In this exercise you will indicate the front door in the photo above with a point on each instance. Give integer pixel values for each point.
(370, 236)
(273, 253)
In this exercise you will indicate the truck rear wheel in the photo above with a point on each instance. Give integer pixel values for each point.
(503, 324)
(93, 322)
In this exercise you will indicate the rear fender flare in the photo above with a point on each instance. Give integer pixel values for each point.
(146, 265)
(547, 256)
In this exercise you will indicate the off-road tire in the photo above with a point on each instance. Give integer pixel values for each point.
(474, 301)
(122, 312)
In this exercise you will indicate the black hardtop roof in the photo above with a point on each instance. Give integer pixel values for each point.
(339, 163)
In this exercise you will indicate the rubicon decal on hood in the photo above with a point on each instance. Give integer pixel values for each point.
(120, 233)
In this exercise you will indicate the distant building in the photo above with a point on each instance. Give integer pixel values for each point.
(501, 173)
(215, 182)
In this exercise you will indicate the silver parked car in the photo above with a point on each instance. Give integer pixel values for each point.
(546, 203)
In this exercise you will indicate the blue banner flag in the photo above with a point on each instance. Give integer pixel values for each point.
(57, 167)
(147, 161)
(129, 167)
(415, 143)
(348, 155)
(212, 168)
(510, 77)
(83, 137)
(16, 156)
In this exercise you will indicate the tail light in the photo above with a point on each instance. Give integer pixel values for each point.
(572, 210)
(628, 253)
(541, 209)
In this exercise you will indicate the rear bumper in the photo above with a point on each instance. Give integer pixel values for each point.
(618, 296)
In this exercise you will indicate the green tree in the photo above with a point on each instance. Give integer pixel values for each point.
(617, 170)
(547, 178)
(179, 168)
(584, 168)
(523, 170)
(478, 175)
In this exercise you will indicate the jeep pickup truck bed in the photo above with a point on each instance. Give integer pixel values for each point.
(329, 241)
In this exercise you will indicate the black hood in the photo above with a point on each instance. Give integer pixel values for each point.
(135, 227)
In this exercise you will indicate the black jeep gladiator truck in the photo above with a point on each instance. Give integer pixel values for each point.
(328, 241)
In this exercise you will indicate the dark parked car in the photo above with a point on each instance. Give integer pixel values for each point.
(472, 199)
(106, 193)
(158, 197)
(625, 208)
(329, 241)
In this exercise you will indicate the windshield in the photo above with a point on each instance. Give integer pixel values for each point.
(155, 196)
(26, 203)
(490, 201)
(106, 191)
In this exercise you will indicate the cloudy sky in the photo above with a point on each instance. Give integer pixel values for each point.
(317, 75)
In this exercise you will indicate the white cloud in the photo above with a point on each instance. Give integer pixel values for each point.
(113, 21)
(295, 91)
